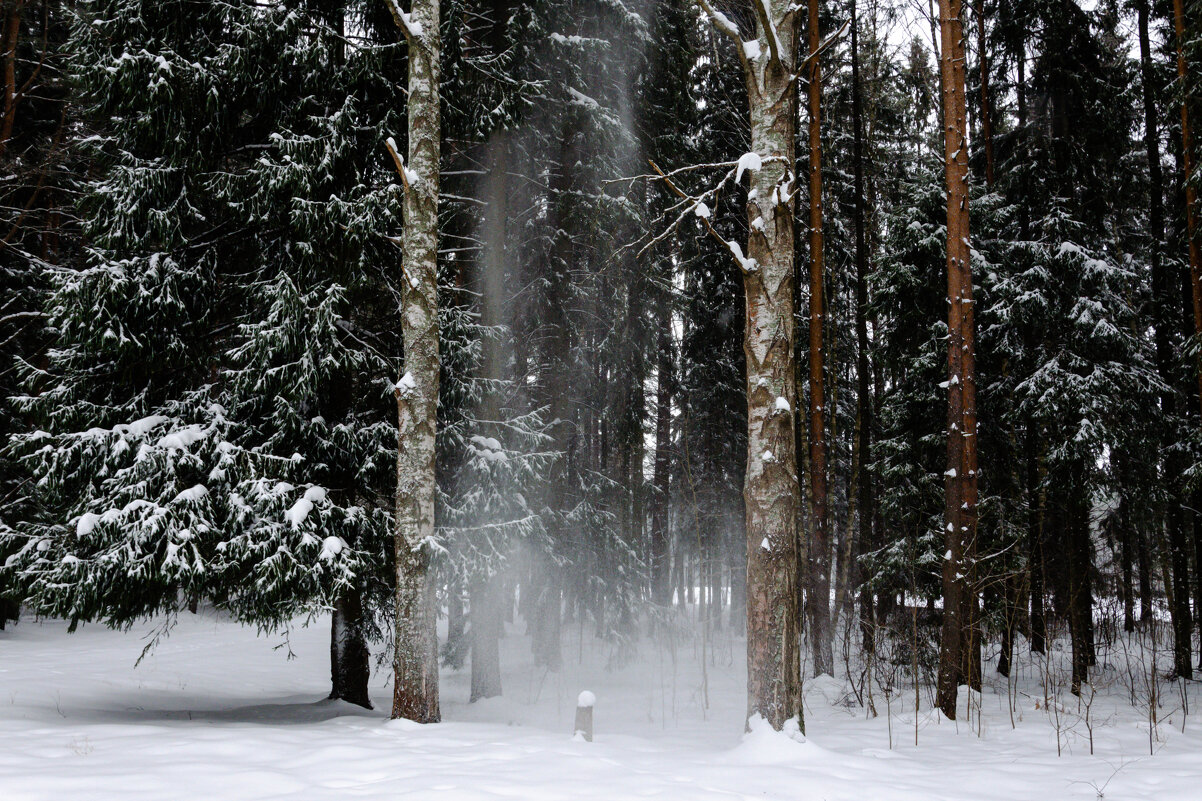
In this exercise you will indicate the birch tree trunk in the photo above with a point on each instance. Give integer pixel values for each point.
(956, 655)
(415, 694)
(770, 490)
(771, 487)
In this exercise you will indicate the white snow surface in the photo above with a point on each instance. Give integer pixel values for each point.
(216, 712)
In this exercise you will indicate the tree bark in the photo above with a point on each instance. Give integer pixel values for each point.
(350, 658)
(487, 588)
(1036, 506)
(1079, 564)
(1164, 310)
(8, 51)
(771, 488)
(487, 607)
(1191, 194)
(864, 411)
(819, 589)
(415, 694)
(958, 649)
(661, 590)
(986, 104)
(1179, 590)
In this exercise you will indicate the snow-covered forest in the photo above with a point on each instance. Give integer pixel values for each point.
(558, 399)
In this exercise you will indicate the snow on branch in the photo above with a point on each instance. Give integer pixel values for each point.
(720, 21)
(699, 209)
(827, 42)
(774, 46)
(748, 51)
(411, 27)
(408, 176)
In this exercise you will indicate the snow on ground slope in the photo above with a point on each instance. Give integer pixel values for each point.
(217, 712)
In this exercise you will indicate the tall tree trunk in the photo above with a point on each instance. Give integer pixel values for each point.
(8, 52)
(575, 437)
(487, 608)
(771, 488)
(818, 596)
(415, 694)
(661, 591)
(453, 652)
(1036, 510)
(986, 103)
(1125, 538)
(1191, 194)
(1178, 588)
(864, 408)
(1078, 565)
(958, 646)
(487, 589)
(350, 658)
(1164, 309)
(1144, 574)
(1196, 516)
(738, 570)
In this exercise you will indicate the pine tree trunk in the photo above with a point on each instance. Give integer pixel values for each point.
(415, 693)
(548, 646)
(350, 658)
(819, 589)
(1079, 564)
(1146, 601)
(1191, 194)
(8, 52)
(10, 610)
(661, 591)
(738, 581)
(1179, 589)
(487, 590)
(575, 438)
(1012, 592)
(487, 604)
(958, 655)
(1196, 516)
(864, 399)
(1163, 307)
(456, 625)
(1126, 541)
(1036, 506)
(986, 104)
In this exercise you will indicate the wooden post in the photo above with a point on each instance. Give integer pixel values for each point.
(584, 716)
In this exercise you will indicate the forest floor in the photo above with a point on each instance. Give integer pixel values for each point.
(218, 712)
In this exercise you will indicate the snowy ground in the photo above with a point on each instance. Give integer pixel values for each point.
(217, 712)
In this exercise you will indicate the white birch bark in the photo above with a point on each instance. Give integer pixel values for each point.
(771, 490)
(415, 693)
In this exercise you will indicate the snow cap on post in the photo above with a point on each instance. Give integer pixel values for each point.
(584, 716)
